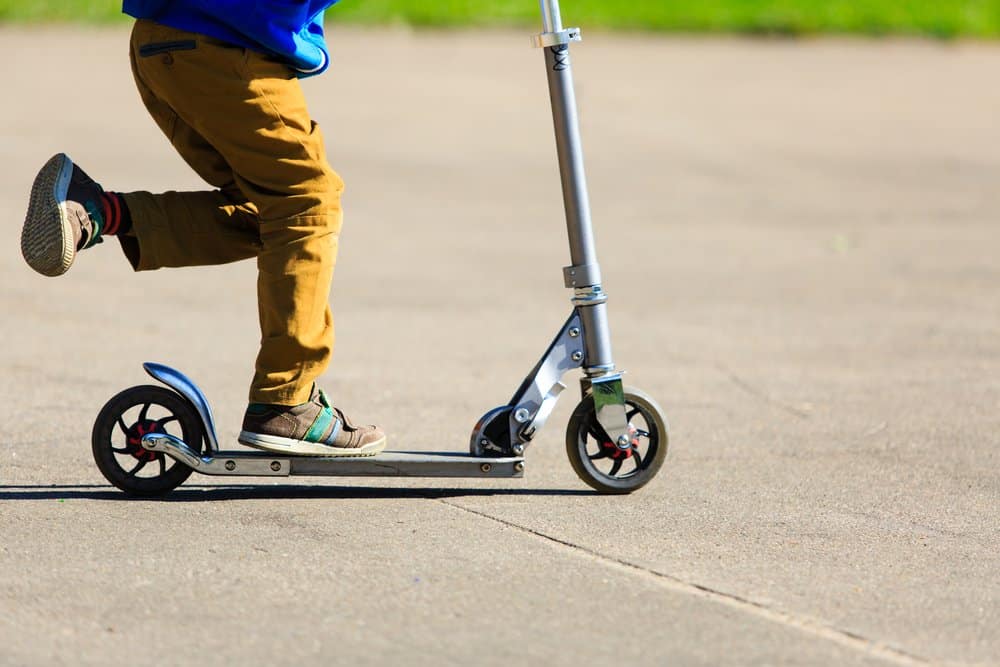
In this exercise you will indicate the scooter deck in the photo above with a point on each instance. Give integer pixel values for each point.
(409, 464)
(387, 464)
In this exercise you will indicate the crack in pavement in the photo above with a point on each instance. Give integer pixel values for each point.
(762, 395)
(816, 627)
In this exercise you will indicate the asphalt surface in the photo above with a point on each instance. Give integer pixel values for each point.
(800, 242)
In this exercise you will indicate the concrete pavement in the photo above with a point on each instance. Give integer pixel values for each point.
(800, 242)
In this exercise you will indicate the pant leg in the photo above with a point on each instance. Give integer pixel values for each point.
(251, 110)
(188, 228)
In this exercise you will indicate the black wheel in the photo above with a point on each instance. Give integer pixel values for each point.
(117, 439)
(604, 465)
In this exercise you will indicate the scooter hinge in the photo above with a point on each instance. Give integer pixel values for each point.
(547, 39)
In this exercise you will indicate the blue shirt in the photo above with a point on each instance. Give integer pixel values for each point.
(289, 29)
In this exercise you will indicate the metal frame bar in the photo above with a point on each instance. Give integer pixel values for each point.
(584, 272)
(551, 19)
(537, 396)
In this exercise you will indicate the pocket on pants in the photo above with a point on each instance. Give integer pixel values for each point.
(156, 48)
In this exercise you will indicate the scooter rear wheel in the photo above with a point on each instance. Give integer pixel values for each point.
(600, 462)
(117, 439)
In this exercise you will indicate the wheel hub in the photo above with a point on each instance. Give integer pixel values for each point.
(133, 438)
(626, 446)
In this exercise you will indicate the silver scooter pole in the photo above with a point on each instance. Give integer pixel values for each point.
(585, 339)
(584, 274)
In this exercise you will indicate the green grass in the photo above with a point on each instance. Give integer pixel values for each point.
(937, 18)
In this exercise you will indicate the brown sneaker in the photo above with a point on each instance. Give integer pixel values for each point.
(64, 216)
(312, 429)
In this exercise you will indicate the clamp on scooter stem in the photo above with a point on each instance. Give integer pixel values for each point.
(547, 39)
(584, 275)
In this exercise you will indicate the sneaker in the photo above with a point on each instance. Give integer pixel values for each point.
(312, 429)
(64, 216)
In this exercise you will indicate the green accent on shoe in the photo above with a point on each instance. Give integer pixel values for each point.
(320, 426)
(324, 400)
(313, 428)
(97, 218)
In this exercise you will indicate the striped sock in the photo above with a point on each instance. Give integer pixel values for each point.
(117, 219)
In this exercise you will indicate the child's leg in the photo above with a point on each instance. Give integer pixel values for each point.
(68, 212)
(189, 228)
(251, 111)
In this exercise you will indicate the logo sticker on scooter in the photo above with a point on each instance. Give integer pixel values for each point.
(561, 54)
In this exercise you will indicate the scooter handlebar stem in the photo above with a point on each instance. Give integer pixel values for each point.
(584, 272)
(551, 20)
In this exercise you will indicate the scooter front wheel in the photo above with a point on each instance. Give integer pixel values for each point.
(117, 439)
(604, 465)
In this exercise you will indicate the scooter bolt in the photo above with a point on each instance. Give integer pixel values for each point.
(521, 415)
(230, 465)
(275, 466)
(624, 442)
(518, 449)
(574, 332)
(577, 356)
(519, 467)
(486, 467)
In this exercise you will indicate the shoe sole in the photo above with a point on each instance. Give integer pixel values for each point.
(47, 242)
(277, 444)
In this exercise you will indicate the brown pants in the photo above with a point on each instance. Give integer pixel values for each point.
(239, 119)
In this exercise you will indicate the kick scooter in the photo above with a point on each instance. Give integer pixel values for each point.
(148, 439)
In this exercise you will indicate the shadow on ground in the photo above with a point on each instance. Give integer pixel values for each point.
(249, 492)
